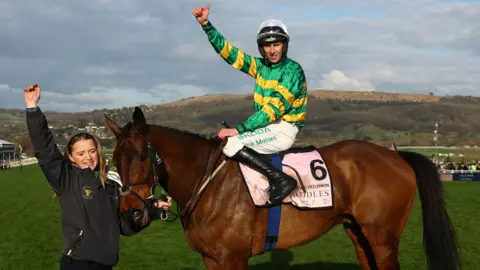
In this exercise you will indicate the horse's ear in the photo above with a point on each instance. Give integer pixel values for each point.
(114, 127)
(139, 117)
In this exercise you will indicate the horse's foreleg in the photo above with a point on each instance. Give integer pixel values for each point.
(229, 263)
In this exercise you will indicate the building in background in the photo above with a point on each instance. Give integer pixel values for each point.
(7, 151)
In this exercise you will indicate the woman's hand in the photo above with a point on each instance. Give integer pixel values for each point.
(163, 204)
(31, 95)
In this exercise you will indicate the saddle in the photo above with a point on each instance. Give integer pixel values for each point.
(306, 165)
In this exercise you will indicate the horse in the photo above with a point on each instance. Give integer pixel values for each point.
(373, 191)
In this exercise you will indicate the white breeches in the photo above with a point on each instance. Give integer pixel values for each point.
(275, 137)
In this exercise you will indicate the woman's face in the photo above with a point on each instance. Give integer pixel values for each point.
(84, 154)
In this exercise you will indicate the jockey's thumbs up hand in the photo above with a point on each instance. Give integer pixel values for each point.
(201, 14)
(31, 95)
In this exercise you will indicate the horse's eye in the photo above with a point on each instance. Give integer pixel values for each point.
(143, 157)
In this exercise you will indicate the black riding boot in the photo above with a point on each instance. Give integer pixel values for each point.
(281, 184)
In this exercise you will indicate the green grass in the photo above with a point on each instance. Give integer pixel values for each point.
(30, 236)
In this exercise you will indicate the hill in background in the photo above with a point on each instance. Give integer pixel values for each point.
(381, 117)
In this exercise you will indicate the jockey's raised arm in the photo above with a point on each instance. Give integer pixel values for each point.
(231, 54)
(234, 56)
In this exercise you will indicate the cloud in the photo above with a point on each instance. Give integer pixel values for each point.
(105, 54)
(172, 91)
(101, 71)
(4, 87)
(337, 80)
(10, 98)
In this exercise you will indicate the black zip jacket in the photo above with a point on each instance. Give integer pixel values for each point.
(91, 223)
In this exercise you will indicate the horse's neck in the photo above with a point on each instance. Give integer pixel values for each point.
(185, 157)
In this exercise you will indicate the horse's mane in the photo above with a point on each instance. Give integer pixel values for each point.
(206, 137)
(126, 131)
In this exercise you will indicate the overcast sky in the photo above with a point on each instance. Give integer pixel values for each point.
(112, 53)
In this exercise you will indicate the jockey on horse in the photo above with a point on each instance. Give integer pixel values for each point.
(280, 101)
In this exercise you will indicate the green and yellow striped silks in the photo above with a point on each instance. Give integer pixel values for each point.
(280, 90)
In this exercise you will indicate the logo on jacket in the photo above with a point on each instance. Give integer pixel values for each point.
(87, 192)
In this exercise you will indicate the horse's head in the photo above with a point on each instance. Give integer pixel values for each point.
(138, 165)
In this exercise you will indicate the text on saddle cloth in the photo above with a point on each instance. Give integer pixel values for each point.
(313, 172)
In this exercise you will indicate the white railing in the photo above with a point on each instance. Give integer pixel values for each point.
(23, 162)
(458, 171)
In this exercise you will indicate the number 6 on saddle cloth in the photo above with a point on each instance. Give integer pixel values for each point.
(306, 165)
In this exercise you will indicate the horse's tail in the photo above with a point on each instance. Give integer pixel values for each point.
(439, 237)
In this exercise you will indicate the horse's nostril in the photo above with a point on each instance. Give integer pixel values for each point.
(137, 215)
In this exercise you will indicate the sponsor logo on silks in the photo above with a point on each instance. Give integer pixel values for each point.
(261, 141)
(87, 192)
(265, 140)
(253, 133)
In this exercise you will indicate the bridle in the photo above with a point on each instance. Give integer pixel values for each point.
(154, 161)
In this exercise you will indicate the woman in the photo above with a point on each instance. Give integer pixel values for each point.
(91, 223)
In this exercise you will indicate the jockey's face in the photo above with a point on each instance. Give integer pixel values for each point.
(273, 51)
(84, 154)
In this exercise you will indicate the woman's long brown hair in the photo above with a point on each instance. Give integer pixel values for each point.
(101, 158)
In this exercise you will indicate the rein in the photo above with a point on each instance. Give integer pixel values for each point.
(197, 190)
(203, 181)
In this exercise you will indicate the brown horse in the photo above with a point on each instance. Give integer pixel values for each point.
(373, 190)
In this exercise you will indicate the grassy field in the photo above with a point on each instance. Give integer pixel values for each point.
(30, 236)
